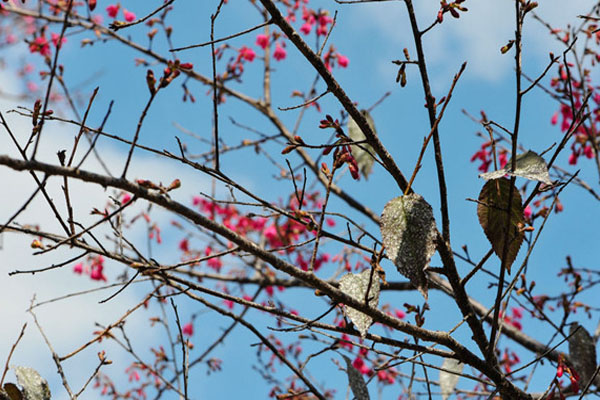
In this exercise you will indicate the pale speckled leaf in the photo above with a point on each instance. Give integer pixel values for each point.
(34, 386)
(448, 380)
(529, 166)
(356, 286)
(492, 214)
(363, 158)
(582, 353)
(356, 380)
(408, 232)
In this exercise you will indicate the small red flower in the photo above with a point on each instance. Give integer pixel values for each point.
(40, 45)
(342, 60)
(188, 329)
(247, 53)
(306, 28)
(113, 10)
(262, 40)
(129, 16)
(279, 53)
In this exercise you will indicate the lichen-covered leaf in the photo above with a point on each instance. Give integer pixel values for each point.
(363, 158)
(492, 212)
(356, 380)
(448, 379)
(408, 232)
(582, 353)
(529, 165)
(34, 386)
(356, 286)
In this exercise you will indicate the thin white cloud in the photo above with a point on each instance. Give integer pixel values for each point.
(68, 323)
(476, 37)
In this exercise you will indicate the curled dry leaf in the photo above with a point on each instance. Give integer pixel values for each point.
(363, 158)
(582, 353)
(34, 386)
(529, 166)
(408, 232)
(10, 391)
(492, 212)
(356, 286)
(448, 379)
(356, 381)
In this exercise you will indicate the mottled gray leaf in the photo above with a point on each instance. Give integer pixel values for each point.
(408, 232)
(448, 379)
(363, 158)
(34, 386)
(356, 380)
(356, 286)
(582, 353)
(529, 166)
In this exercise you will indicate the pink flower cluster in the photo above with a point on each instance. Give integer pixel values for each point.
(484, 154)
(263, 41)
(94, 268)
(585, 132)
(311, 18)
(113, 10)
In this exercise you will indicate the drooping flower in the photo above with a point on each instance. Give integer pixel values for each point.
(54, 37)
(40, 45)
(262, 40)
(112, 10)
(342, 60)
(129, 16)
(188, 329)
(279, 53)
(305, 28)
(247, 53)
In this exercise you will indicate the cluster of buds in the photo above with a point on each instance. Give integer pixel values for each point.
(453, 8)
(343, 153)
(171, 72)
(564, 368)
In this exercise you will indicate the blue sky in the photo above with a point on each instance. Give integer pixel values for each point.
(371, 35)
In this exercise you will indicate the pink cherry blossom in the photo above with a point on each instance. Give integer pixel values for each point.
(40, 45)
(112, 10)
(279, 53)
(306, 28)
(342, 60)
(247, 53)
(573, 159)
(188, 329)
(262, 40)
(527, 212)
(129, 16)
(97, 273)
(54, 37)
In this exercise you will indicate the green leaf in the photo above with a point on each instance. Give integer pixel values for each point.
(408, 232)
(34, 386)
(449, 376)
(356, 286)
(362, 157)
(492, 212)
(529, 165)
(356, 381)
(582, 353)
